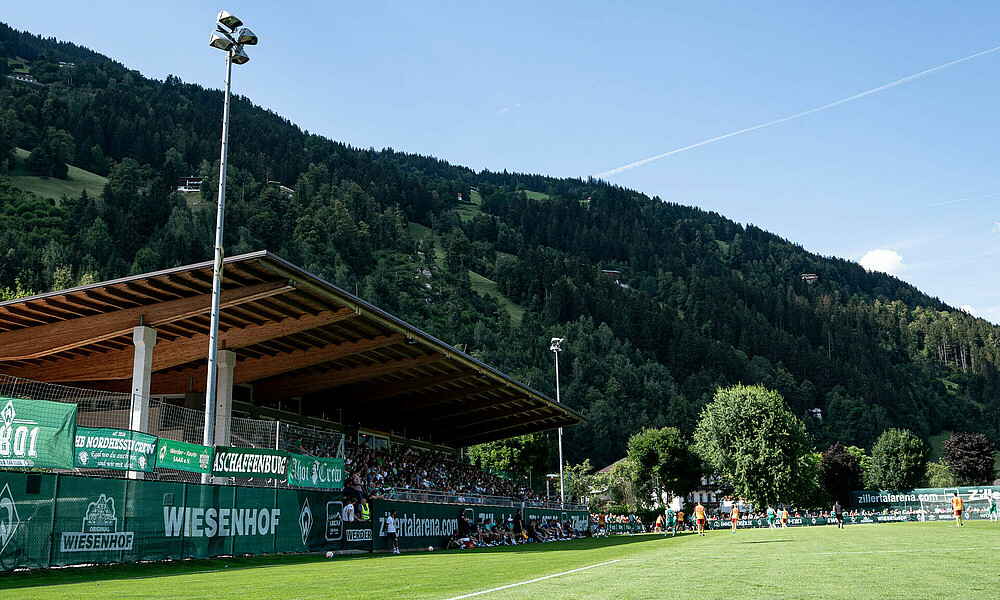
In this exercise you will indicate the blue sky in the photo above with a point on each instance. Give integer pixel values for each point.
(574, 89)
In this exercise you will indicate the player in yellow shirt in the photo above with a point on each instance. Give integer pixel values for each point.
(956, 505)
(700, 520)
(784, 518)
(735, 516)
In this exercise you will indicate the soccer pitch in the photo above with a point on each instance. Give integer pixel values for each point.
(905, 560)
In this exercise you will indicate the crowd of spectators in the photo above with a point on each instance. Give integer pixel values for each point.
(509, 532)
(391, 471)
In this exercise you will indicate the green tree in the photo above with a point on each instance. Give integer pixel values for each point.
(522, 455)
(38, 162)
(971, 458)
(665, 462)
(840, 472)
(939, 476)
(899, 460)
(748, 437)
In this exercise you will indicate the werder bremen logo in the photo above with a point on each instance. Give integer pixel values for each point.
(17, 444)
(163, 453)
(305, 521)
(8, 517)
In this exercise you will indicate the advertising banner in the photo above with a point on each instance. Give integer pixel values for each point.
(36, 433)
(418, 525)
(182, 456)
(579, 520)
(54, 520)
(914, 498)
(118, 449)
(312, 472)
(250, 463)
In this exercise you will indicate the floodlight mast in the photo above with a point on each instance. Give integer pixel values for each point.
(222, 40)
(555, 346)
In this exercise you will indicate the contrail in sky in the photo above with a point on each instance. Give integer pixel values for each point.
(908, 79)
(960, 200)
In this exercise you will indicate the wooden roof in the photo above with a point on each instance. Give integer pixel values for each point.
(295, 336)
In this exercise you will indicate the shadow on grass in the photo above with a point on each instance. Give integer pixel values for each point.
(765, 541)
(149, 570)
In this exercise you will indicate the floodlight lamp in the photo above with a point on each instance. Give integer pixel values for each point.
(240, 56)
(220, 41)
(556, 344)
(226, 19)
(246, 38)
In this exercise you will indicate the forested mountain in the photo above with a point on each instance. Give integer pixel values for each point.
(496, 263)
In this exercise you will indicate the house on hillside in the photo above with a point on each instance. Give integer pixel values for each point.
(189, 184)
(810, 277)
(284, 189)
(615, 276)
(25, 78)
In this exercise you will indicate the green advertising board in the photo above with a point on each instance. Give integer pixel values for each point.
(182, 456)
(312, 472)
(250, 463)
(419, 525)
(915, 498)
(120, 449)
(36, 433)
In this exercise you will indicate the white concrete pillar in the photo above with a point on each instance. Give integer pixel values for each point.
(226, 361)
(144, 339)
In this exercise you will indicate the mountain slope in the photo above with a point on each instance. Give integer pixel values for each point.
(708, 301)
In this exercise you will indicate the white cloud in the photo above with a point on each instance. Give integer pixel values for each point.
(996, 227)
(886, 261)
(966, 308)
(501, 111)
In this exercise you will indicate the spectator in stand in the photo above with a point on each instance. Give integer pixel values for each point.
(348, 514)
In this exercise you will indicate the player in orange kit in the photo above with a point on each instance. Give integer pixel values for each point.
(735, 516)
(700, 520)
(956, 505)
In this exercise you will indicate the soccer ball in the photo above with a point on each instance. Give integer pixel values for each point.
(430, 548)
(329, 553)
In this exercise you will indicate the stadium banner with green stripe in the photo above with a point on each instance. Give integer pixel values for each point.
(182, 456)
(36, 433)
(313, 472)
(920, 497)
(254, 463)
(118, 449)
(421, 525)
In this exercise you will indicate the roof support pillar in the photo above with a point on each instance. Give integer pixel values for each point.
(144, 339)
(226, 362)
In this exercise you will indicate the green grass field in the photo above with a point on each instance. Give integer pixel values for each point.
(50, 187)
(906, 560)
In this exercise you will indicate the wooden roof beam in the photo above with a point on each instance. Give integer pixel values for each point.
(386, 390)
(256, 369)
(482, 431)
(23, 344)
(118, 364)
(470, 407)
(291, 386)
(408, 406)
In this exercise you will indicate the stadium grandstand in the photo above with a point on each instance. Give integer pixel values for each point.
(304, 366)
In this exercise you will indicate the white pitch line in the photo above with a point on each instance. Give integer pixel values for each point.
(843, 552)
(504, 587)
